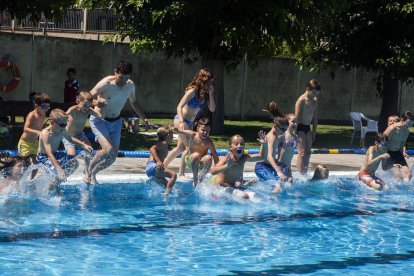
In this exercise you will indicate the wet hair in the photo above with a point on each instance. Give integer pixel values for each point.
(380, 137)
(279, 119)
(321, 173)
(41, 98)
(31, 96)
(71, 70)
(200, 83)
(407, 116)
(8, 162)
(234, 137)
(58, 115)
(204, 121)
(163, 132)
(124, 67)
(85, 96)
(313, 84)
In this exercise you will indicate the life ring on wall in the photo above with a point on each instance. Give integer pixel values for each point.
(15, 72)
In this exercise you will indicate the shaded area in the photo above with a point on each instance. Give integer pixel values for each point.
(378, 258)
(233, 221)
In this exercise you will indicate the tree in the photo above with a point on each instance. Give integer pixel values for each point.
(222, 33)
(377, 35)
(35, 9)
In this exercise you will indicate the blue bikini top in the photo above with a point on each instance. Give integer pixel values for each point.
(194, 103)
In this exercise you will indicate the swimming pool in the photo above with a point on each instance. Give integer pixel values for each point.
(321, 228)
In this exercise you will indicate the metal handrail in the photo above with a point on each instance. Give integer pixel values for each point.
(97, 20)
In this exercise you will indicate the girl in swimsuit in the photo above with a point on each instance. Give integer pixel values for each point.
(198, 95)
(287, 144)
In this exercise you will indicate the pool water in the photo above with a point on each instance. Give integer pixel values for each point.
(332, 227)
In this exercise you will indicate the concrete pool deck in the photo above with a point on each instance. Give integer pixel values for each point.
(335, 162)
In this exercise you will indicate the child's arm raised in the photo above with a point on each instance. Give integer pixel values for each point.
(71, 109)
(186, 132)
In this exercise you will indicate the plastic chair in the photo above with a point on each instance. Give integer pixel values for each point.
(356, 118)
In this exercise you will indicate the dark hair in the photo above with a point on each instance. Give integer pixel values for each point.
(275, 114)
(407, 115)
(124, 67)
(8, 162)
(31, 96)
(380, 137)
(313, 84)
(71, 70)
(204, 121)
(41, 98)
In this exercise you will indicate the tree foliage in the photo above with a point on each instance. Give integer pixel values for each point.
(377, 35)
(35, 9)
(227, 30)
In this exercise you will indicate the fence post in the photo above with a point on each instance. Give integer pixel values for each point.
(12, 25)
(85, 18)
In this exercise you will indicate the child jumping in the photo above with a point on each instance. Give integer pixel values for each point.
(29, 141)
(59, 164)
(270, 168)
(228, 172)
(155, 167)
(200, 143)
(287, 144)
(77, 116)
(375, 154)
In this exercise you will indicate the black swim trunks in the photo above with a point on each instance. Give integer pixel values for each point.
(304, 128)
(396, 158)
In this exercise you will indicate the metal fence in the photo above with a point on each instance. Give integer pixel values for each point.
(97, 20)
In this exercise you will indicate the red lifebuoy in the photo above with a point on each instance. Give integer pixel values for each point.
(15, 76)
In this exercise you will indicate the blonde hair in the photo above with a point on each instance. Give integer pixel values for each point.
(85, 96)
(58, 115)
(200, 82)
(163, 132)
(321, 173)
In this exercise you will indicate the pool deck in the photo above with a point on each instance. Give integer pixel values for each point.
(335, 162)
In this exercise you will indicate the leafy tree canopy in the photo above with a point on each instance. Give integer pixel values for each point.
(227, 30)
(20, 9)
(377, 35)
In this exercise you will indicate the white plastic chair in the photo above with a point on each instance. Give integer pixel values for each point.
(356, 118)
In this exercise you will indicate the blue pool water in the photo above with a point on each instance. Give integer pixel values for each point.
(322, 228)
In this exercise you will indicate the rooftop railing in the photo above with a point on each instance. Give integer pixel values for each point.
(78, 20)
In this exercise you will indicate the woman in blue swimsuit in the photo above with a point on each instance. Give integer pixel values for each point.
(197, 96)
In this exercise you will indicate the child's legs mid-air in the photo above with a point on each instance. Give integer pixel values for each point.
(172, 177)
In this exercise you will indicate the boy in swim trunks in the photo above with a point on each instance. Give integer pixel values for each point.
(155, 167)
(228, 172)
(29, 141)
(306, 111)
(375, 154)
(77, 116)
(200, 143)
(59, 164)
(397, 136)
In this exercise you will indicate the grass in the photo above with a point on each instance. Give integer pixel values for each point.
(328, 136)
